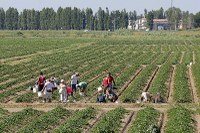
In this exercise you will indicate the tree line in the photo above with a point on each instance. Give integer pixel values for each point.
(76, 19)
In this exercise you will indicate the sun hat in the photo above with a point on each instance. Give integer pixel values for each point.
(77, 74)
(99, 89)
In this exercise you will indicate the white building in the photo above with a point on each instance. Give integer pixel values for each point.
(139, 24)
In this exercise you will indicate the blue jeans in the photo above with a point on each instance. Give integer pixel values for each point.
(73, 87)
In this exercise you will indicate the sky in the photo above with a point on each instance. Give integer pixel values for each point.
(193, 6)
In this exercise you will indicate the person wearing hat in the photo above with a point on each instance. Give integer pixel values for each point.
(74, 81)
(62, 91)
(100, 95)
(82, 88)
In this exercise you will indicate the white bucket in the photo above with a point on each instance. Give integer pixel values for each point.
(40, 94)
(35, 89)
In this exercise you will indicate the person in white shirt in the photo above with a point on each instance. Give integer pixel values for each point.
(62, 91)
(145, 96)
(47, 90)
(74, 81)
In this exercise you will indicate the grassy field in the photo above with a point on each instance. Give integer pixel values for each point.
(167, 62)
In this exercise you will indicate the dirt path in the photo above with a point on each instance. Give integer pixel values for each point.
(93, 122)
(161, 49)
(197, 118)
(126, 123)
(171, 86)
(182, 55)
(104, 106)
(192, 85)
(151, 79)
(193, 57)
(163, 122)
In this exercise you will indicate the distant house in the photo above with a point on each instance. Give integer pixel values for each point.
(131, 24)
(161, 24)
(140, 24)
(182, 25)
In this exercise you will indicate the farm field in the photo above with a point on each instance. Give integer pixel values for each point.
(164, 62)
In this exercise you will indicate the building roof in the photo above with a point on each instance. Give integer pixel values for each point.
(160, 20)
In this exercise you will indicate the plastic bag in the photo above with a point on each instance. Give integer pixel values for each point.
(35, 89)
(60, 90)
(40, 94)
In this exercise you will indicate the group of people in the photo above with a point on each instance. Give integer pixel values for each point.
(47, 87)
(147, 97)
(105, 92)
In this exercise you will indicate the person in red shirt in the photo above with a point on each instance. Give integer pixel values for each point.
(111, 81)
(105, 82)
(41, 82)
(108, 82)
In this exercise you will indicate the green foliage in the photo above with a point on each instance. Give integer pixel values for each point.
(159, 84)
(182, 92)
(110, 122)
(18, 118)
(134, 90)
(46, 120)
(179, 121)
(197, 19)
(3, 113)
(26, 98)
(146, 121)
(77, 121)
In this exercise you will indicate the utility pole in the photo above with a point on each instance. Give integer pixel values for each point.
(171, 4)
(173, 14)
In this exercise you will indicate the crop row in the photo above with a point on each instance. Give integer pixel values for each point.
(163, 58)
(175, 58)
(46, 120)
(146, 121)
(187, 58)
(3, 114)
(180, 120)
(75, 123)
(182, 92)
(29, 71)
(18, 119)
(57, 71)
(133, 65)
(196, 72)
(59, 60)
(24, 46)
(159, 84)
(87, 67)
(132, 93)
(110, 122)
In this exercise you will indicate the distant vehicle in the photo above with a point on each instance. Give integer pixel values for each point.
(86, 30)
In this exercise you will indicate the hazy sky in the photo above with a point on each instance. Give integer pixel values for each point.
(130, 5)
